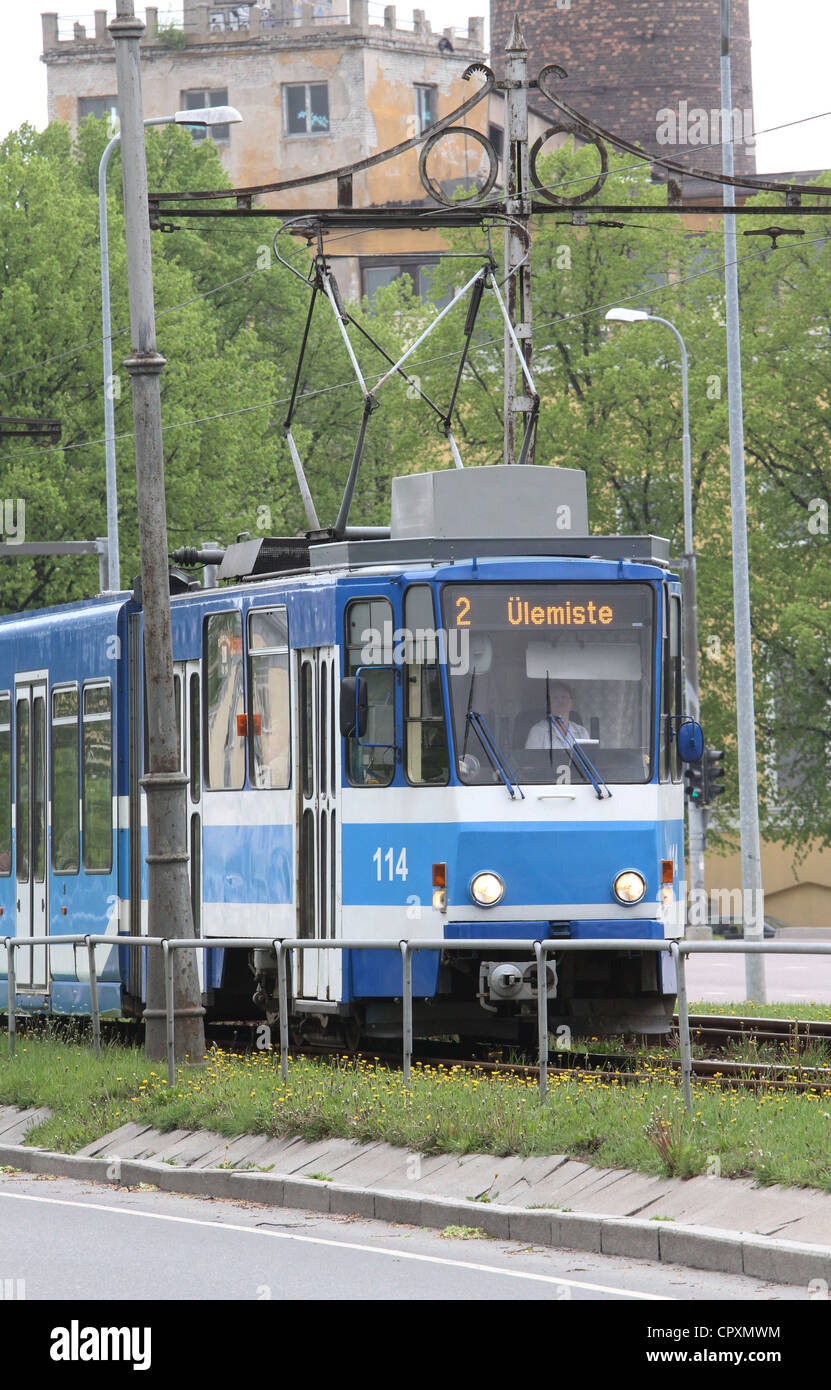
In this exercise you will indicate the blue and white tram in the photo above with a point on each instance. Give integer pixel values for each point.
(453, 732)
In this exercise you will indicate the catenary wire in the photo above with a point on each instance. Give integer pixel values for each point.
(583, 178)
(489, 342)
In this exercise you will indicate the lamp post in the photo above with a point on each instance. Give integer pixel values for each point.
(203, 116)
(688, 575)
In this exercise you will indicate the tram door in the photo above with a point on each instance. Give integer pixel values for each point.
(318, 972)
(187, 677)
(31, 808)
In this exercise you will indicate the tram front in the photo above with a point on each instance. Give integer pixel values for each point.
(532, 775)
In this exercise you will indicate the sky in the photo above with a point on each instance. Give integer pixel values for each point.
(791, 48)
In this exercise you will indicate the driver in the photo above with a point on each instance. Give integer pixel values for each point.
(544, 734)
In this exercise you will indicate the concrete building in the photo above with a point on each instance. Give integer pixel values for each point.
(318, 86)
(648, 70)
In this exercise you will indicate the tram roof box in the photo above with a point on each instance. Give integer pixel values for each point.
(508, 500)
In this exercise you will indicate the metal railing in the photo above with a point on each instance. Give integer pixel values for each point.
(677, 950)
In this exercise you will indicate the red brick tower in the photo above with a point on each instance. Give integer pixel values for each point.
(645, 69)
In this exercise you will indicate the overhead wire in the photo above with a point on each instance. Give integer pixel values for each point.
(258, 270)
(672, 285)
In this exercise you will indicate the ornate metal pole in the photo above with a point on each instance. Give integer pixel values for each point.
(169, 908)
(518, 403)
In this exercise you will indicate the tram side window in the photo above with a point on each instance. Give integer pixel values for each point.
(224, 703)
(672, 702)
(369, 626)
(5, 783)
(66, 817)
(676, 684)
(425, 731)
(97, 792)
(269, 731)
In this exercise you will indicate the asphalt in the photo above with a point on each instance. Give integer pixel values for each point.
(722, 1224)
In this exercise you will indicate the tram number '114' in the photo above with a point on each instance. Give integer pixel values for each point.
(387, 866)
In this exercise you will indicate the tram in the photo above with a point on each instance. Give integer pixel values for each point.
(467, 728)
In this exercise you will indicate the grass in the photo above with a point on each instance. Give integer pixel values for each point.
(778, 1136)
(820, 1012)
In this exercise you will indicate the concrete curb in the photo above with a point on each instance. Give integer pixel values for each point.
(698, 1247)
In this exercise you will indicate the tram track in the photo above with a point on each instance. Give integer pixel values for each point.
(583, 1065)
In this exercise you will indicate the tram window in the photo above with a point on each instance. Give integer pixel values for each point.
(39, 788)
(224, 703)
(21, 814)
(97, 790)
(66, 815)
(425, 731)
(177, 700)
(323, 712)
(195, 738)
(369, 626)
(306, 729)
(5, 784)
(269, 731)
(671, 694)
(675, 683)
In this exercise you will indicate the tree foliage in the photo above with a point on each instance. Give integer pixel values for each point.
(231, 316)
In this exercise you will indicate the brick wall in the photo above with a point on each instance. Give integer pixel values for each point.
(630, 60)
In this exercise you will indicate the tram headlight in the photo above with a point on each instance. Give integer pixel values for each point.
(629, 887)
(486, 889)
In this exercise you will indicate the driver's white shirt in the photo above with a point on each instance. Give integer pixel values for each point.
(545, 735)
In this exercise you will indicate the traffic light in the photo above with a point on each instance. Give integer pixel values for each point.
(713, 769)
(694, 783)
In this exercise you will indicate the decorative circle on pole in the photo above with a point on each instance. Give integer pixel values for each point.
(434, 188)
(583, 134)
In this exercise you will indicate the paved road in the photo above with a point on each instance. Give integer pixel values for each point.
(67, 1240)
(790, 979)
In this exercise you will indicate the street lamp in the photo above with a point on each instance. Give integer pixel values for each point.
(201, 116)
(691, 699)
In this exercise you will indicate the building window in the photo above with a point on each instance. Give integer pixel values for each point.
(496, 135)
(230, 20)
(425, 107)
(100, 107)
(376, 273)
(197, 100)
(305, 108)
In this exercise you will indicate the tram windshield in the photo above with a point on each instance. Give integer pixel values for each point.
(546, 670)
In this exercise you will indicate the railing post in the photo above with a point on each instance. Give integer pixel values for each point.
(93, 998)
(283, 1006)
(10, 947)
(542, 1016)
(406, 1009)
(170, 1019)
(677, 953)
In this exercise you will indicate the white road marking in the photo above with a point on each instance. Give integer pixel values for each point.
(340, 1245)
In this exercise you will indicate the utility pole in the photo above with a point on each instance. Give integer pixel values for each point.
(517, 240)
(169, 906)
(752, 899)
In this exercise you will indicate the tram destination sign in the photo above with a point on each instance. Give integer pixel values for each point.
(547, 607)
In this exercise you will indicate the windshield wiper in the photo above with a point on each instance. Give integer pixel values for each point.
(580, 759)
(496, 757)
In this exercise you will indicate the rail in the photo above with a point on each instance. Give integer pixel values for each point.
(677, 950)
